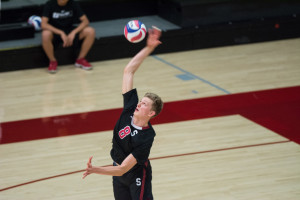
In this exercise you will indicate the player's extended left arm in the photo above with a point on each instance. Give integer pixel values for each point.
(118, 170)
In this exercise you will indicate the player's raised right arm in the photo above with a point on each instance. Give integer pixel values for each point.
(152, 42)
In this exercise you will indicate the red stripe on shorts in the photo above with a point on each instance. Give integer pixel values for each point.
(143, 182)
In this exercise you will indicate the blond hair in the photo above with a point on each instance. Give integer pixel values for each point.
(157, 104)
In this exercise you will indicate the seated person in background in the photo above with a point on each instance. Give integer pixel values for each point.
(58, 20)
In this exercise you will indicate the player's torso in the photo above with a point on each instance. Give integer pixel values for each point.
(62, 16)
(127, 134)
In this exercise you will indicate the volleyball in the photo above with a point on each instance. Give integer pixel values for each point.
(35, 21)
(135, 31)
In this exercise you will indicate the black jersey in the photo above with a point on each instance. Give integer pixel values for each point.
(129, 138)
(62, 17)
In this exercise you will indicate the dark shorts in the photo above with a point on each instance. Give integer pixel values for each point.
(134, 185)
(58, 41)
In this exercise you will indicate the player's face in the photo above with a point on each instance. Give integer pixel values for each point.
(62, 2)
(144, 108)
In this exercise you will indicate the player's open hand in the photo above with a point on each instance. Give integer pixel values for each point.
(89, 168)
(153, 37)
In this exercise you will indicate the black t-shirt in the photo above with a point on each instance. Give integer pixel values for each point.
(129, 138)
(62, 17)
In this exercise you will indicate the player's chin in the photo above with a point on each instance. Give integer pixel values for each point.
(137, 113)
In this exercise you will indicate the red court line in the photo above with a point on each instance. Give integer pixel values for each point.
(224, 149)
(156, 158)
(41, 179)
(276, 109)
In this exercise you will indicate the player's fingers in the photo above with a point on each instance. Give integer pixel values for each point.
(86, 172)
(156, 31)
(70, 41)
(90, 159)
(84, 175)
(150, 31)
(89, 165)
(66, 43)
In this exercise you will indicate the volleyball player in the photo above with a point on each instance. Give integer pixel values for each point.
(133, 134)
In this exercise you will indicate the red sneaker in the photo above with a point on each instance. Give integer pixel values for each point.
(83, 63)
(52, 67)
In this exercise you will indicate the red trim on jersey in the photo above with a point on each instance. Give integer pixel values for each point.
(138, 127)
(143, 182)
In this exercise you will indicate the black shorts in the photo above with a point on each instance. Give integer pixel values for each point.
(58, 41)
(135, 184)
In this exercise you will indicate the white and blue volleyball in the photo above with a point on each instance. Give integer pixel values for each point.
(35, 21)
(135, 31)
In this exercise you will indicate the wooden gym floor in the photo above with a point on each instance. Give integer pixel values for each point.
(229, 129)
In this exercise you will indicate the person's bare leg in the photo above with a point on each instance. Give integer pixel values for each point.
(47, 37)
(88, 36)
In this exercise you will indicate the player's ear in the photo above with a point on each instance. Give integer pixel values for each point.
(151, 113)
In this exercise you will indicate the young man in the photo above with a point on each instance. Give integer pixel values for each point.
(58, 21)
(133, 134)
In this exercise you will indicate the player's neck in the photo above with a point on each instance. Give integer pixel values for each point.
(140, 122)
